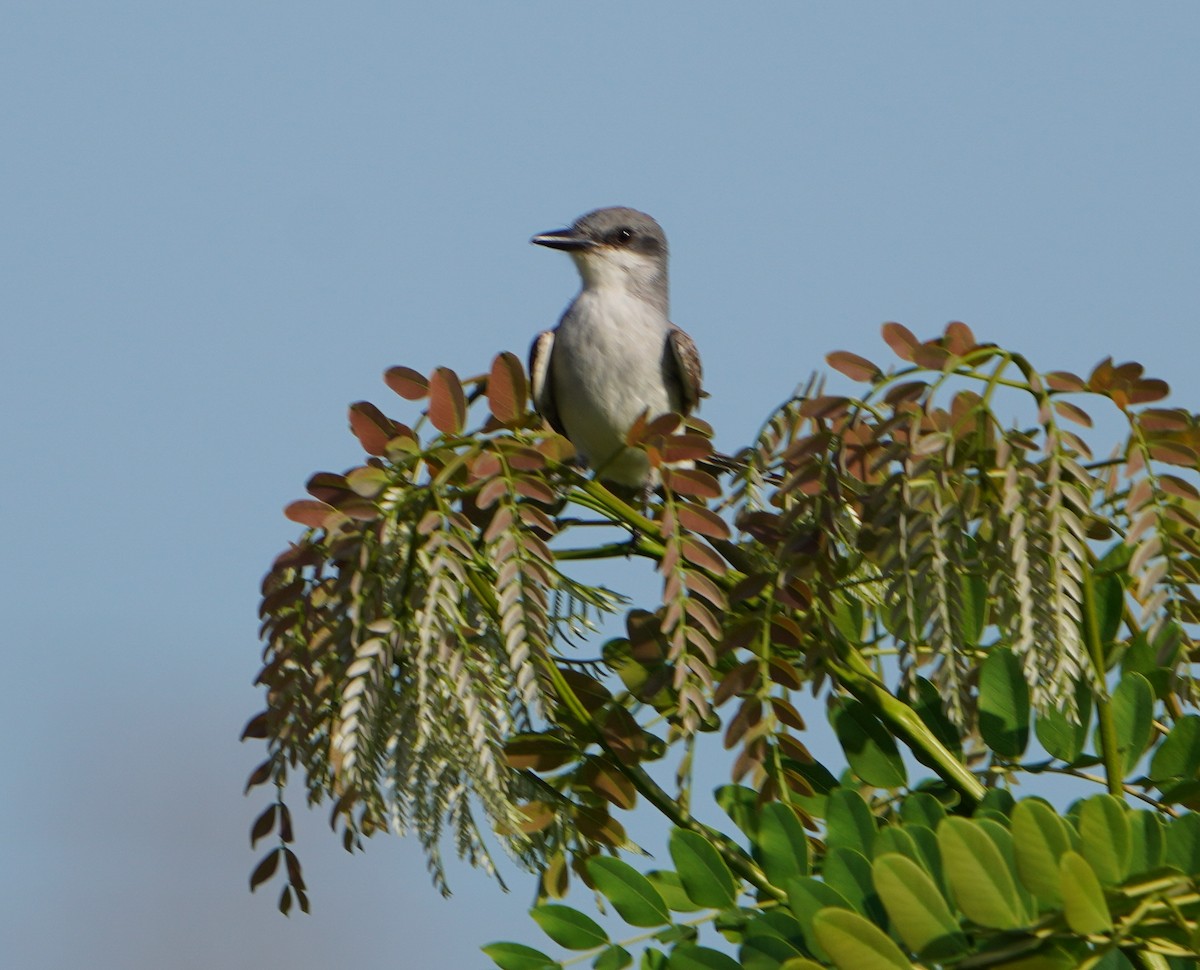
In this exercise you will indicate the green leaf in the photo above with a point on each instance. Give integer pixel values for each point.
(849, 873)
(799, 963)
(770, 939)
(1083, 899)
(515, 956)
(869, 747)
(705, 876)
(915, 907)
(1040, 838)
(894, 838)
(631, 894)
(1104, 838)
(854, 943)
(1178, 756)
(1133, 715)
(568, 927)
(741, 805)
(1147, 840)
(614, 958)
(921, 808)
(688, 956)
(849, 822)
(1062, 737)
(1003, 704)
(806, 898)
(1183, 844)
(1003, 839)
(670, 887)
(980, 879)
(932, 710)
(782, 845)
(929, 856)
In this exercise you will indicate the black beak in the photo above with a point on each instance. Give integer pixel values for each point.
(565, 239)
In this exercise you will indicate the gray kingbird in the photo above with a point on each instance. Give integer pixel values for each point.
(615, 355)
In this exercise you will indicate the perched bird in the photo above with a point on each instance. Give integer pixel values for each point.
(615, 355)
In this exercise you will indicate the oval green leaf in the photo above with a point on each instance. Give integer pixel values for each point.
(854, 943)
(633, 897)
(688, 956)
(1003, 704)
(1040, 838)
(849, 822)
(782, 845)
(568, 927)
(980, 879)
(1133, 715)
(705, 876)
(1104, 837)
(915, 907)
(1083, 899)
(869, 747)
(1179, 754)
(516, 956)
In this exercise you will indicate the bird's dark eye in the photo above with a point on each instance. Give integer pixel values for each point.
(623, 235)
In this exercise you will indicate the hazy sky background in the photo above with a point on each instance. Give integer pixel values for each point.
(221, 221)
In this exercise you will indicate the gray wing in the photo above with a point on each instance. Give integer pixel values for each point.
(683, 368)
(541, 386)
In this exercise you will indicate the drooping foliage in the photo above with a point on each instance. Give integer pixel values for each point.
(955, 560)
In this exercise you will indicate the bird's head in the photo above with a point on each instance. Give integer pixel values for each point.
(615, 247)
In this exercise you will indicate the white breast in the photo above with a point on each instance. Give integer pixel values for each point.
(608, 368)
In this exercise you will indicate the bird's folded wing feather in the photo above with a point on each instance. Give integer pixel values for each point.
(683, 367)
(541, 386)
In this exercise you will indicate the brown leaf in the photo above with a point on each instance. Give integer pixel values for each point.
(408, 383)
(608, 782)
(1061, 380)
(1164, 419)
(506, 388)
(700, 585)
(855, 367)
(538, 816)
(794, 749)
(1173, 485)
(701, 554)
(931, 357)
(447, 403)
(958, 338)
(538, 752)
(264, 824)
(1072, 413)
(785, 675)
(371, 427)
(1151, 389)
(786, 713)
(309, 513)
(256, 727)
(689, 481)
(686, 447)
(265, 869)
(900, 339)
(738, 680)
(1173, 453)
(702, 521)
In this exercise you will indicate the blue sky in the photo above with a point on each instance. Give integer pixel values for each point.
(222, 221)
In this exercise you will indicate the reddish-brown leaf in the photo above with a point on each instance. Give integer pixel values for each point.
(686, 447)
(406, 382)
(903, 393)
(1164, 419)
(506, 389)
(371, 427)
(900, 339)
(794, 749)
(702, 555)
(538, 752)
(485, 465)
(1102, 376)
(537, 490)
(855, 367)
(256, 727)
(787, 714)
(826, 406)
(447, 403)
(1061, 380)
(785, 675)
(1072, 413)
(1174, 485)
(958, 338)
(307, 512)
(608, 782)
(538, 816)
(739, 679)
(701, 585)
(1148, 390)
(690, 481)
(1173, 453)
(702, 521)
(931, 357)
(556, 448)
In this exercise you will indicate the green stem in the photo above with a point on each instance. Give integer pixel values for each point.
(857, 677)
